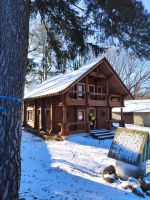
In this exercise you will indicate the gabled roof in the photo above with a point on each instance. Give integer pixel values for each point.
(142, 105)
(61, 83)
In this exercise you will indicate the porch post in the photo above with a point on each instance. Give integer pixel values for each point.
(87, 105)
(122, 118)
(64, 122)
(108, 106)
(42, 114)
(35, 114)
(87, 118)
(109, 117)
(52, 117)
(24, 114)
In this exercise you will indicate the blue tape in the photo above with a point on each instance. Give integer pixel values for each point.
(9, 98)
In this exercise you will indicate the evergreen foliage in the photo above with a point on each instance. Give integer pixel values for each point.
(77, 30)
(124, 23)
(69, 22)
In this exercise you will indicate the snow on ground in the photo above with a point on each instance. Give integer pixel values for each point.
(67, 170)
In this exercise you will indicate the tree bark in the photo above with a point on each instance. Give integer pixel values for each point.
(14, 28)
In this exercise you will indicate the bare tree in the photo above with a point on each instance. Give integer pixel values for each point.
(134, 72)
(40, 50)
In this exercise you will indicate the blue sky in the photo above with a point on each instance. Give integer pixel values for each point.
(146, 4)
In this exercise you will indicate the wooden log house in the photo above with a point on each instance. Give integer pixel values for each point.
(62, 104)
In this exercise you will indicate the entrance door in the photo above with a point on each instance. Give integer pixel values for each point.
(93, 111)
(102, 117)
(47, 119)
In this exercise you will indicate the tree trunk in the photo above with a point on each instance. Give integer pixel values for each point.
(14, 25)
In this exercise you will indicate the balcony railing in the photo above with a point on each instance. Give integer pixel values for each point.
(93, 99)
(115, 101)
(97, 99)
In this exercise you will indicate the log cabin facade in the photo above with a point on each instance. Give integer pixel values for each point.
(63, 103)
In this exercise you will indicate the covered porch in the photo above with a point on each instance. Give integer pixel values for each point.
(76, 119)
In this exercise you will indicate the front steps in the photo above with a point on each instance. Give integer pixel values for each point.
(102, 134)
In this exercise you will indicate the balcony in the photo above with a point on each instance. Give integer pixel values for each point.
(97, 99)
(93, 99)
(115, 101)
(76, 98)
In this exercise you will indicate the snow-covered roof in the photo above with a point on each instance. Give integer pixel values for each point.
(135, 106)
(60, 82)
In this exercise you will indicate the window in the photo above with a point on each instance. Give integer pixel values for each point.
(91, 88)
(81, 115)
(99, 89)
(39, 112)
(80, 89)
(47, 119)
(29, 115)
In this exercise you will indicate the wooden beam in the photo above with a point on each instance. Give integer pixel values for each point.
(35, 114)
(64, 114)
(122, 118)
(87, 118)
(97, 75)
(42, 115)
(64, 121)
(24, 114)
(52, 117)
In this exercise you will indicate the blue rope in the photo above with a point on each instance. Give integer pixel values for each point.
(9, 98)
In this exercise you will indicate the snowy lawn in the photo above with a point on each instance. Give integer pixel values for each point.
(67, 170)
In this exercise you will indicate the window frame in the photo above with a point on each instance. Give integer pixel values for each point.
(99, 86)
(90, 86)
(80, 94)
(81, 110)
(29, 114)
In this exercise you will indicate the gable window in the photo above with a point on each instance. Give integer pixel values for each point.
(81, 115)
(80, 90)
(29, 115)
(99, 89)
(91, 88)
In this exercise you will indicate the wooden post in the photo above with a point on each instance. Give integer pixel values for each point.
(42, 114)
(64, 119)
(87, 105)
(35, 114)
(108, 117)
(108, 105)
(24, 114)
(107, 87)
(122, 118)
(64, 122)
(52, 117)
